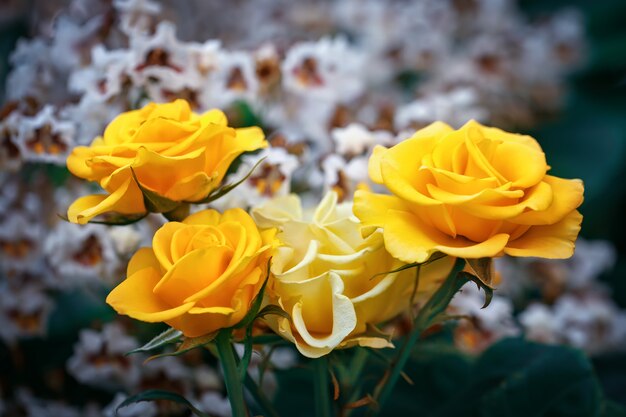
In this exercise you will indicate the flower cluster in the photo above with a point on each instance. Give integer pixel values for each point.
(347, 175)
(474, 193)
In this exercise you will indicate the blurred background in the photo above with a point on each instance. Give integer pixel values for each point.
(327, 80)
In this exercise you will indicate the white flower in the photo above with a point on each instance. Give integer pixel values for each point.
(139, 409)
(81, 254)
(272, 178)
(328, 70)
(302, 115)
(67, 41)
(592, 323)
(166, 371)
(455, 108)
(356, 139)
(160, 63)
(539, 323)
(207, 378)
(32, 74)
(214, 403)
(204, 56)
(233, 78)
(136, 15)
(267, 66)
(591, 258)
(126, 239)
(99, 358)
(589, 321)
(10, 152)
(20, 242)
(105, 75)
(93, 115)
(344, 176)
(497, 318)
(37, 407)
(45, 138)
(24, 311)
(16, 197)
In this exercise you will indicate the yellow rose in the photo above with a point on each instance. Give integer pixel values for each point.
(200, 275)
(472, 193)
(174, 152)
(324, 275)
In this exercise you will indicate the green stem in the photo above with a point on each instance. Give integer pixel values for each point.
(231, 375)
(357, 364)
(263, 402)
(253, 388)
(321, 381)
(423, 320)
(356, 367)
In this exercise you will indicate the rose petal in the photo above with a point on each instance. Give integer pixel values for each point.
(127, 199)
(193, 188)
(162, 241)
(522, 165)
(134, 297)
(203, 218)
(193, 273)
(326, 321)
(410, 240)
(413, 190)
(143, 258)
(568, 196)
(555, 241)
(372, 208)
(162, 173)
(373, 164)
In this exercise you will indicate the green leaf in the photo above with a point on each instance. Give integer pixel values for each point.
(114, 219)
(155, 202)
(179, 214)
(434, 257)
(481, 284)
(247, 353)
(220, 192)
(246, 117)
(513, 378)
(273, 310)
(248, 323)
(188, 344)
(58, 175)
(165, 338)
(517, 378)
(439, 301)
(393, 271)
(482, 269)
(612, 409)
(155, 394)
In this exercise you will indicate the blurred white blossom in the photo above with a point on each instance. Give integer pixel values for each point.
(100, 359)
(82, 254)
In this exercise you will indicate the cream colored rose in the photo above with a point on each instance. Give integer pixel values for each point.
(331, 281)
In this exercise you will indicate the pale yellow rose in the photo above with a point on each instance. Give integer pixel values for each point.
(473, 192)
(174, 152)
(200, 275)
(333, 282)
